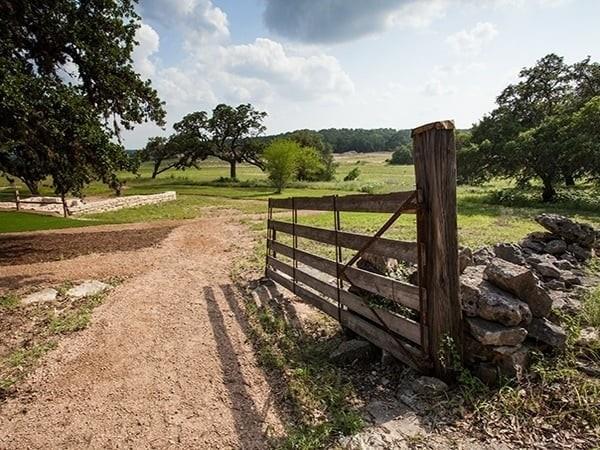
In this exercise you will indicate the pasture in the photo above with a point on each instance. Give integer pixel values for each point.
(489, 213)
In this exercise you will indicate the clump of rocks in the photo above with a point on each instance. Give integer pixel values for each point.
(509, 292)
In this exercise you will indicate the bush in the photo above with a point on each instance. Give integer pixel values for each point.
(281, 162)
(309, 165)
(402, 155)
(352, 175)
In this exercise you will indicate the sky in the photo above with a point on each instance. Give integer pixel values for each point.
(350, 63)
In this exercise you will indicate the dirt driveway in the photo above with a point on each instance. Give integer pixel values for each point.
(165, 362)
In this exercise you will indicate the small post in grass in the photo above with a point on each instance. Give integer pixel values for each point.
(17, 196)
(434, 156)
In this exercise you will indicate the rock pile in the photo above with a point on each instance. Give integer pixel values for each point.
(509, 291)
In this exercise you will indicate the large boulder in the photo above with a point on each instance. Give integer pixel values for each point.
(482, 256)
(509, 252)
(521, 282)
(544, 331)
(492, 333)
(571, 231)
(482, 299)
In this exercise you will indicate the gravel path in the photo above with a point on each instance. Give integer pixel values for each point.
(164, 364)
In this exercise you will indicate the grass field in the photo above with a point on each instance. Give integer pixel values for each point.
(483, 215)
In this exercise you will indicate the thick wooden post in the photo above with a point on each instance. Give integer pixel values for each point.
(434, 156)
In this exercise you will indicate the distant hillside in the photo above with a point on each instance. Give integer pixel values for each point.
(361, 140)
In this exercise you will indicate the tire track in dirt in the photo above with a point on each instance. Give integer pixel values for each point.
(165, 362)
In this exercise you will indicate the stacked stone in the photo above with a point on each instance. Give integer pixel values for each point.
(508, 294)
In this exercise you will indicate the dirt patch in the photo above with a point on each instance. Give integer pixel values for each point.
(165, 362)
(32, 248)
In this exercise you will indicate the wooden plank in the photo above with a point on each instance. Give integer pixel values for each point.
(403, 293)
(435, 169)
(387, 320)
(376, 203)
(403, 250)
(318, 302)
(369, 331)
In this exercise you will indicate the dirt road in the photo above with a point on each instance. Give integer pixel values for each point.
(164, 364)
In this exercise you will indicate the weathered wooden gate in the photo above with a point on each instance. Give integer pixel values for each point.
(428, 319)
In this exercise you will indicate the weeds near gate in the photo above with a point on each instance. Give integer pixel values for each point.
(9, 302)
(320, 397)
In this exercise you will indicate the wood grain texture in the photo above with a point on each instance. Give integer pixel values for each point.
(435, 169)
(377, 203)
(403, 293)
(391, 248)
(386, 319)
(401, 350)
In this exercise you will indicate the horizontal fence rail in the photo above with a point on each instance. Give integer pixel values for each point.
(404, 250)
(379, 203)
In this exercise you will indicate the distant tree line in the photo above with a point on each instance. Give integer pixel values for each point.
(545, 127)
(341, 140)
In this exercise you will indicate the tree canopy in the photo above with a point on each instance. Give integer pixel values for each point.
(537, 129)
(67, 89)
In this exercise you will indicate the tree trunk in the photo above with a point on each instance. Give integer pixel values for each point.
(155, 170)
(549, 191)
(32, 186)
(232, 168)
(569, 180)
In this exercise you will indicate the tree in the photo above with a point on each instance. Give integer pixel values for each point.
(232, 130)
(281, 162)
(158, 151)
(402, 155)
(67, 89)
(316, 162)
(530, 134)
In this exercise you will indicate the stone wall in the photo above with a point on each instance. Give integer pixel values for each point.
(510, 294)
(53, 205)
(129, 201)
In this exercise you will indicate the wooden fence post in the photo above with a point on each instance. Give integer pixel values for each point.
(434, 156)
(17, 196)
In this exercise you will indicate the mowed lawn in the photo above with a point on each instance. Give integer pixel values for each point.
(206, 191)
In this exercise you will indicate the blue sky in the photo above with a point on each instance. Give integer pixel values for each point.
(351, 63)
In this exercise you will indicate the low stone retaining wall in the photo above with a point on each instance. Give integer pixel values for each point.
(130, 201)
(53, 205)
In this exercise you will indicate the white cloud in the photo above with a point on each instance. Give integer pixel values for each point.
(148, 44)
(200, 20)
(435, 88)
(470, 42)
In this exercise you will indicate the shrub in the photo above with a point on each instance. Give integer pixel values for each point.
(402, 155)
(281, 162)
(352, 175)
(310, 167)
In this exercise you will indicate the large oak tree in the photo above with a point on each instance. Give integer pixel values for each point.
(67, 89)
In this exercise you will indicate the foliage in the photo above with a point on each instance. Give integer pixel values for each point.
(541, 129)
(402, 155)
(229, 134)
(364, 141)
(67, 88)
(310, 169)
(9, 301)
(281, 162)
(353, 174)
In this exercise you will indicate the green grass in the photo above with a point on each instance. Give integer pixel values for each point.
(77, 319)
(9, 301)
(12, 222)
(486, 214)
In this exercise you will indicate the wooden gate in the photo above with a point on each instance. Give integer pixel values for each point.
(426, 317)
